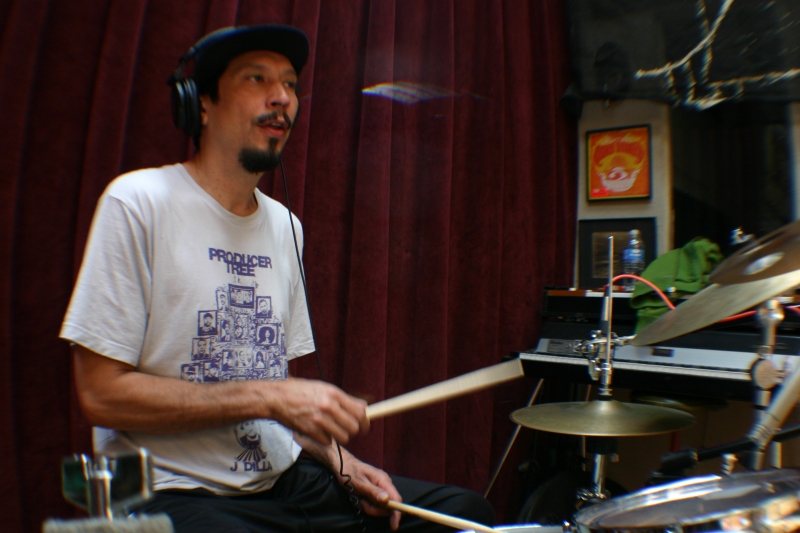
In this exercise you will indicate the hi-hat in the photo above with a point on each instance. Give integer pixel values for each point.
(772, 255)
(712, 304)
(602, 418)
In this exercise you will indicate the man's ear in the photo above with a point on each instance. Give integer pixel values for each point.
(205, 101)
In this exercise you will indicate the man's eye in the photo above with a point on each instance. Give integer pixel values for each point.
(291, 85)
(257, 77)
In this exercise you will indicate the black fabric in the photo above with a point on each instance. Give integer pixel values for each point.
(707, 52)
(307, 498)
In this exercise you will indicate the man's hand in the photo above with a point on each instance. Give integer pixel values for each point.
(373, 486)
(319, 410)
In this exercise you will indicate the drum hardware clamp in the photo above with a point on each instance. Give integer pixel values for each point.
(107, 487)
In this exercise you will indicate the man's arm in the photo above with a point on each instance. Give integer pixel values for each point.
(115, 395)
(372, 484)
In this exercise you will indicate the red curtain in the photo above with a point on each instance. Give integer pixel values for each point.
(431, 227)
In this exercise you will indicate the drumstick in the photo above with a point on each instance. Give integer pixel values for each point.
(439, 518)
(470, 382)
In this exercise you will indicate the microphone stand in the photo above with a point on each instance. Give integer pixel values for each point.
(764, 375)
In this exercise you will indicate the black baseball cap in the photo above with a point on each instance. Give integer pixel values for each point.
(214, 52)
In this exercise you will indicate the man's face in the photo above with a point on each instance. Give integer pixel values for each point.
(208, 320)
(250, 429)
(255, 111)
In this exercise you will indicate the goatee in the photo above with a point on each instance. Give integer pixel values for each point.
(256, 161)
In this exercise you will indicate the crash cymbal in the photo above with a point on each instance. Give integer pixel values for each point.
(712, 304)
(772, 255)
(602, 418)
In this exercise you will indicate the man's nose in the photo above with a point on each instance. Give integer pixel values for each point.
(279, 96)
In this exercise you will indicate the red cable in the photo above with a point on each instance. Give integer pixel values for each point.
(664, 297)
(646, 282)
(737, 317)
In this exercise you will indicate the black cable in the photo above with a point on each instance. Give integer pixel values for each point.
(348, 485)
(302, 272)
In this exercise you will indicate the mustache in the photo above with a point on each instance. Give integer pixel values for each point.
(270, 117)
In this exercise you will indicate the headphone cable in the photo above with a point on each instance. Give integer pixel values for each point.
(348, 485)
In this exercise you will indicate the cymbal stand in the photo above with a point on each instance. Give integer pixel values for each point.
(602, 449)
(764, 374)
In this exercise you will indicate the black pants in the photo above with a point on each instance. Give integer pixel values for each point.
(307, 498)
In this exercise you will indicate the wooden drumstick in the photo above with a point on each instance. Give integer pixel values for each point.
(439, 518)
(470, 382)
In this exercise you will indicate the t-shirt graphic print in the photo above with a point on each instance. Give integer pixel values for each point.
(239, 340)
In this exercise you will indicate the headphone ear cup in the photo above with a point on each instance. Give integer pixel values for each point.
(186, 106)
(193, 119)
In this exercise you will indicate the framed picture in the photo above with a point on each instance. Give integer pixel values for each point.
(618, 163)
(593, 247)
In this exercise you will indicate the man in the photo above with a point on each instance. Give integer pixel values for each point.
(202, 351)
(207, 327)
(145, 250)
(263, 308)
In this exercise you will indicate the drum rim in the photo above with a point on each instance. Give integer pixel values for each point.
(586, 520)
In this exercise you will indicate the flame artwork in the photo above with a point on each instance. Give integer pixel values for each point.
(619, 163)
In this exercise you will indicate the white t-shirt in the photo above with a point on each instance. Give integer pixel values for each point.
(178, 286)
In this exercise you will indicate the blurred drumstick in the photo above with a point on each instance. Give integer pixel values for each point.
(439, 518)
(470, 382)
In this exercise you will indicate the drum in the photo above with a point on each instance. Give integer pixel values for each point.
(530, 528)
(758, 502)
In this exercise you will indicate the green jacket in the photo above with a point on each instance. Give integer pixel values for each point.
(684, 269)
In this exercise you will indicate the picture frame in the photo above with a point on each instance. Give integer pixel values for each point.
(593, 246)
(618, 163)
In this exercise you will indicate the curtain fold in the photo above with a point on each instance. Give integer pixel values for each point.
(368, 281)
(431, 165)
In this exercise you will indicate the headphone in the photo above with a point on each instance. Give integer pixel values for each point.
(185, 103)
(184, 97)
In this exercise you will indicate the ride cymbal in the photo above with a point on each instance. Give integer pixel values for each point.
(774, 254)
(602, 418)
(712, 304)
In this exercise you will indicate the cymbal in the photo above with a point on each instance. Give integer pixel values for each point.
(772, 255)
(602, 418)
(712, 304)
(687, 404)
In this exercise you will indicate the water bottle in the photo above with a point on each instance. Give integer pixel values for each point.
(632, 259)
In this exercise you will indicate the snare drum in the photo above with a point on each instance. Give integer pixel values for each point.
(759, 502)
(530, 528)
